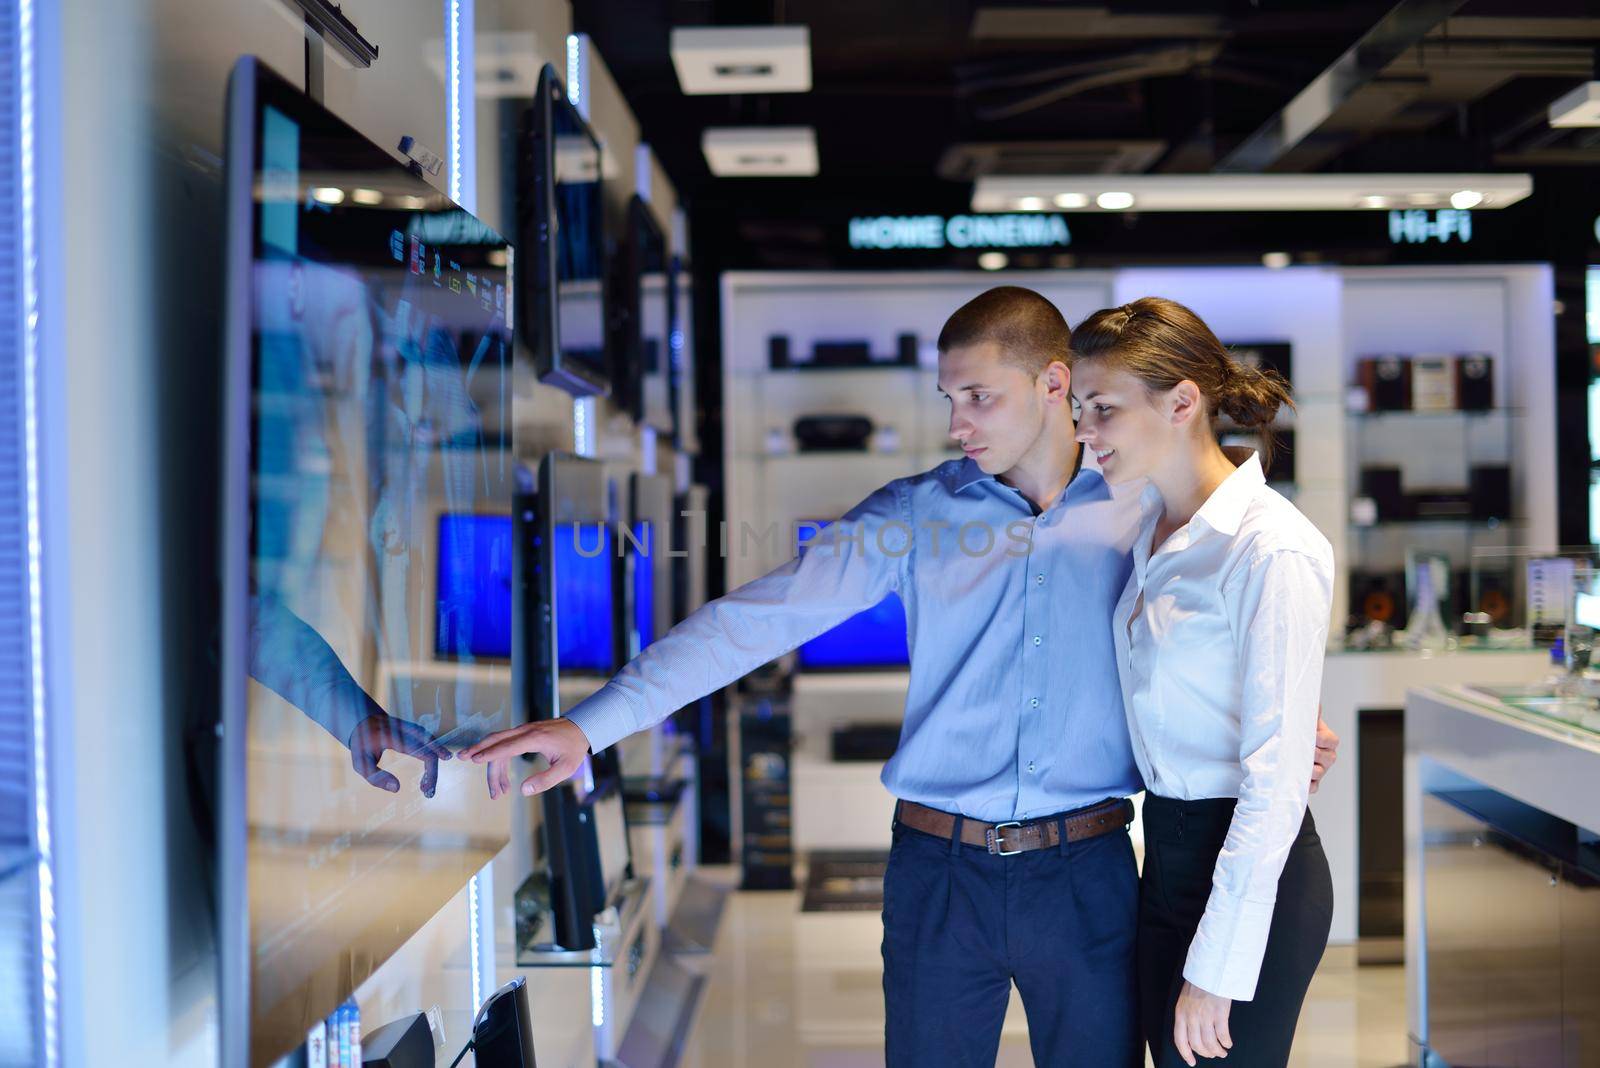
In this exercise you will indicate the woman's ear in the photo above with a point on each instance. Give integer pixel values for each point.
(1184, 402)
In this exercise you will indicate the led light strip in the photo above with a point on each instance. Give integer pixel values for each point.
(48, 975)
(453, 37)
(574, 72)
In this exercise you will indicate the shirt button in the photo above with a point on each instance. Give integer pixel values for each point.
(1036, 639)
(1039, 579)
(1034, 702)
(1030, 766)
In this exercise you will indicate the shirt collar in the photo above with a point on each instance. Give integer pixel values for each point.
(1086, 481)
(1224, 509)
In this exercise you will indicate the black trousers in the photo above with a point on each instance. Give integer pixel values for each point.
(1182, 840)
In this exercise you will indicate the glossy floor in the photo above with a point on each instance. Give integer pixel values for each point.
(787, 989)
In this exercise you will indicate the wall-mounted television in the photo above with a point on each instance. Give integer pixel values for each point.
(561, 302)
(367, 353)
(871, 640)
(643, 375)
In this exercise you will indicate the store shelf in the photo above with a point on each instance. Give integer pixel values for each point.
(1439, 416)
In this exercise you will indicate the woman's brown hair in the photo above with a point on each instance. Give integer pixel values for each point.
(1161, 343)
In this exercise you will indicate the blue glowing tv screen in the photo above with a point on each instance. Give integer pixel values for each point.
(644, 585)
(585, 642)
(875, 638)
(474, 602)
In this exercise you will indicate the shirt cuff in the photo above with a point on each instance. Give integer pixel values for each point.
(605, 718)
(1225, 955)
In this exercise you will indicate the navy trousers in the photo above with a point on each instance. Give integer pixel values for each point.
(960, 925)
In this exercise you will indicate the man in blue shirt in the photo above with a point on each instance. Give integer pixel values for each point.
(1010, 860)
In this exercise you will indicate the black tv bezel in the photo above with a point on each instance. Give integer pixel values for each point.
(251, 82)
(538, 301)
(628, 372)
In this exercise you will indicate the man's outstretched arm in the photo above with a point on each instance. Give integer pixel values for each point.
(847, 568)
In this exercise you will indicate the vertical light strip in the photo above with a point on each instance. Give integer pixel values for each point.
(474, 915)
(452, 44)
(583, 428)
(575, 74)
(30, 366)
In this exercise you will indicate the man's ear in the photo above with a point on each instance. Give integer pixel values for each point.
(1058, 382)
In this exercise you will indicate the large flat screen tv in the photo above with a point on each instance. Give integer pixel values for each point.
(869, 640)
(574, 602)
(561, 298)
(368, 357)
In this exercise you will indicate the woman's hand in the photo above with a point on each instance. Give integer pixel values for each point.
(1200, 1024)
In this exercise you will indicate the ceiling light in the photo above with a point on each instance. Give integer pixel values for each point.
(1245, 192)
(993, 261)
(1466, 199)
(369, 197)
(327, 194)
(1581, 107)
(760, 151)
(1277, 261)
(742, 59)
(1030, 204)
(411, 202)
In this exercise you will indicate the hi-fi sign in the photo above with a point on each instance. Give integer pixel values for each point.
(1418, 226)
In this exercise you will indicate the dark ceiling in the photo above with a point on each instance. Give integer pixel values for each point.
(915, 98)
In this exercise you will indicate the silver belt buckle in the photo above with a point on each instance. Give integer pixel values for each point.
(996, 840)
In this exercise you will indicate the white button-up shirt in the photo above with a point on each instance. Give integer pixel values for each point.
(1220, 638)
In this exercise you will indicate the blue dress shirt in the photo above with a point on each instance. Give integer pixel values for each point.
(1014, 708)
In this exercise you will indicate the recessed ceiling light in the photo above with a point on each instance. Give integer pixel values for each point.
(993, 261)
(742, 59)
(1276, 260)
(1071, 200)
(328, 194)
(414, 203)
(1114, 201)
(369, 197)
(1030, 204)
(1422, 200)
(1466, 199)
(1374, 202)
(760, 151)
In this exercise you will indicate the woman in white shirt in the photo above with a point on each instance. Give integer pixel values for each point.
(1220, 637)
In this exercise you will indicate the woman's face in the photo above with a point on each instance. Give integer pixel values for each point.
(1120, 421)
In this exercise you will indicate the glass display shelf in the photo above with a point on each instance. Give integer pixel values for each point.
(611, 931)
(1576, 717)
(1450, 522)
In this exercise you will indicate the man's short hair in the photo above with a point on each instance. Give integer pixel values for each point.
(1030, 331)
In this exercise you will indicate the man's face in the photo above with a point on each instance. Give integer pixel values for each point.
(1119, 421)
(997, 410)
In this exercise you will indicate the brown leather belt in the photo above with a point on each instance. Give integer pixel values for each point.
(1017, 836)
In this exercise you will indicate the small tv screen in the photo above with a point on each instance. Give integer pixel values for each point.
(473, 614)
(585, 600)
(368, 356)
(644, 585)
(561, 227)
(875, 638)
